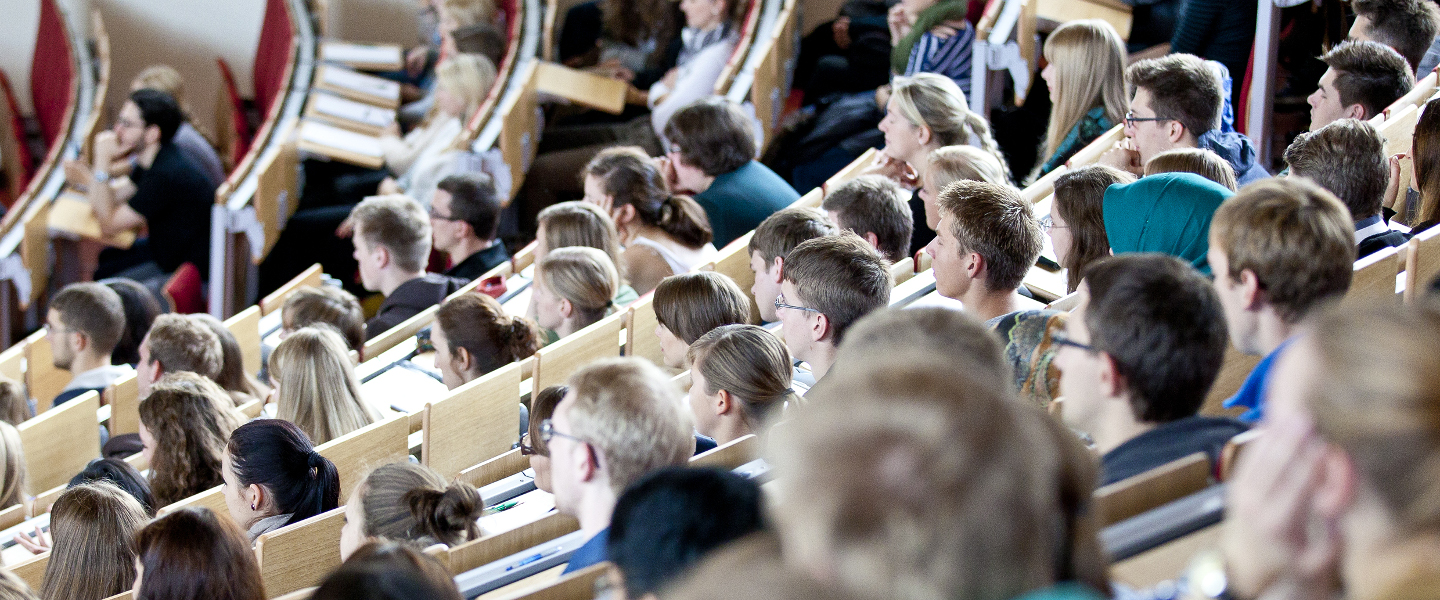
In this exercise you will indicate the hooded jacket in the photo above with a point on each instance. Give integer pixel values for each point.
(1237, 150)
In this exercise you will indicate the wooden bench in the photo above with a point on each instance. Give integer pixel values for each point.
(729, 455)
(476, 422)
(43, 379)
(300, 555)
(359, 451)
(311, 277)
(1422, 263)
(1232, 451)
(640, 324)
(32, 571)
(245, 326)
(556, 362)
(1171, 481)
(1374, 280)
(485, 550)
(124, 399)
(733, 261)
(60, 443)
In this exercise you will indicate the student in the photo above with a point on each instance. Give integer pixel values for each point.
(931, 330)
(193, 553)
(1085, 73)
(829, 284)
(711, 154)
(13, 465)
(388, 571)
(185, 424)
(919, 31)
(473, 336)
(315, 385)
(274, 477)
(1139, 402)
(1077, 218)
(410, 504)
(776, 236)
(672, 518)
(1363, 79)
(464, 219)
(1279, 250)
(542, 407)
(166, 193)
(461, 83)
(120, 474)
(1175, 102)
(988, 240)
(739, 376)
(622, 418)
(582, 224)
(1425, 177)
(574, 287)
(689, 306)
(14, 403)
(188, 139)
(83, 324)
(663, 234)
(90, 557)
(141, 308)
(1347, 158)
(392, 246)
(1170, 213)
(1199, 161)
(875, 208)
(1408, 26)
(325, 304)
(944, 166)
(178, 343)
(240, 386)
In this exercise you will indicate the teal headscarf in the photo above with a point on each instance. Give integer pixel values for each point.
(1167, 212)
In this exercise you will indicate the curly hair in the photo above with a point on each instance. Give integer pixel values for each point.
(190, 419)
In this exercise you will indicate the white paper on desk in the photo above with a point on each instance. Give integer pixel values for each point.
(530, 507)
(360, 82)
(340, 139)
(350, 110)
(402, 388)
(359, 53)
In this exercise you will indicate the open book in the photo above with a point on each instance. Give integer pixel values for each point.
(358, 86)
(340, 144)
(365, 57)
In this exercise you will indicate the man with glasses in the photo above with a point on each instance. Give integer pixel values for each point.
(1175, 103)
(829, 284)
(1138, 356)
(620, 419)
(465, 217)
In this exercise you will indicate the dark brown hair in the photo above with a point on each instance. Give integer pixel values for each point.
(1348, 158)
(1181, 88)
(388, 571)
(191, 419)
(1408, 26)
(94, 310)
(1080, 201)
(473, 199)
(542, 406)
(842, 277)
(180, 343)
(141, 308)
(477, 323)
(996, 223)
(330, 305)
(713, 135)
(781, 232)
(233, 377)
(412, 504)
(1370, 74)
(194, 553)
(691, 304)
(875, 204)
(630, 177)
(1425, 150)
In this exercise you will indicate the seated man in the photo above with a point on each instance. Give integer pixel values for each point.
(1139, 401)
(621, 419)
(1347, 158)
(167, 193)
(1175, 102)
(776, 236)
(178, 343)
(1408, 26)
(1279, 250)
(465, 216)
(987, 241)
(830, 283)
(1363, 79)
(392, 245)
(877, 209)
(84, 323)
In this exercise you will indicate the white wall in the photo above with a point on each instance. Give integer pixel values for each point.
(17, 43)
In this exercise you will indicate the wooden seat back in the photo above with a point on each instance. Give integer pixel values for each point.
(213, 499)
(277, 191)
(1424, 88)
(556, 362)
(310, 277)
(43, 379)
(476, 422)
(1162, 563)
(579, 585)
(730, 455)
(1374, 280)
(300, 555)
(1232, 451)
(32, 570)
(1398, 130)
(640, 324)
(59, 443)
(1422, 263)
(742, 47)
(12, 360)
(124, 399)
(245, 326)
(519, 127)
(355, 453)
(1168, 482)
(485, 550)
(733, 261)
(495, 469)
(902, 271)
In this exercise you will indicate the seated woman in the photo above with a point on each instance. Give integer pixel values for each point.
(582, 224)
(89, 558)
(944, 166)
(185, 424)
(242, 387)
(1077, 222)
(932, 36)
(194, 553)
(473, 336)
(315, 385)
(574, 288)
(690, 305)
(325, 304)
(739, 376)
(120, 474)
(663, 234)
(1199, 161)
(1167, 213)
(410, 504)
(1086, 78)
(542, 407)
(274, 477)
(388, 571)
(627, 39)
(141, 308)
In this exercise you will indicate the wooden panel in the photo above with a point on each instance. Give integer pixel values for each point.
(42, 378)
(32, 571)
(1233, 371)
(767, 89)
(737, 57)
(300, 555)
(581, 87)
(640, 324)
(495, 469)
(12, 360)
(12, 516)
(245, 326)
(731, 455)
(478, 421)
(35, 250)
(59, 443)
(734, 262)
(1091, 153)
(310, 277)
(1374, 281)
(1419, 94)
(579, 585)
(486, 550)
(902, 271)
(355, 453)
(1116, 14)
(1166, 483)
(519, 133)
(277, 190)
(212, 499)
(124, 400)
(1043, 187)
(1422, 264)
(1164, 562)
(556, 362)
(46, 499)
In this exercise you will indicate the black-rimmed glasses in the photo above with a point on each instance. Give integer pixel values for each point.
(1131, 119)
(548, 432)
(1061, 339)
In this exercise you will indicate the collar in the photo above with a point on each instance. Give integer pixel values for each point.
(1369, 226)
(268, 524)
(99, 377)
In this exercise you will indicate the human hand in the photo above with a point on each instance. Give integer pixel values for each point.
(78, 175)
(841, 31)
(882, 96)
(389, 186)
(39, 544)
(107, 147)
(898, 21)
(346, 228)
(667, 170)
(671, 76)
(1394, 189)
(415, 60)
(1123, 156)
(947, 29)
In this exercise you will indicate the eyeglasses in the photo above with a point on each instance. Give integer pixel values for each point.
(527, 449)
(442, 217)
(672, 148)
(1131, 119)
(1047, 223)
(1061, 339)
(547, 433)
(780, 303)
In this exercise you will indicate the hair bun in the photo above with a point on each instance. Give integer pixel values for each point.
(315, 460)
(448, 516)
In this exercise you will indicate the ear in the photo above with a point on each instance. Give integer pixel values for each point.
(777, 270)
(975, 267)
(585, 465)
(1338, 485)
(821, 329)
(724, 403)
(255, 495)
(1112, 383)
(1174, 131)
(922, 135)
(462, 358)
(152, 134)
(381, 255)
(1250, 289)
(624, 214)
(873, 239)
(566, 308)
(81, 341)
(1356, 111)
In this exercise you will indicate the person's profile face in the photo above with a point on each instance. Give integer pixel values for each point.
(796, 325)
(1360, 29)
(1325, 104)
(901, 141)
(765, 288)
(1060, 236)
(62, 355)
(672, 347)
(564, 454)
(1079, 368)
(442, 221)
(445, 359)
(951, 277)
(365, 258)
(702, 404)
(1150, 137)
(546, 305)
(1231, 297)
(929, 197)
(129, 129)
(146, 370)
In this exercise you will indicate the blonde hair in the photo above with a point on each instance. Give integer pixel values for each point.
(950, 164)
(91, 557)
(1199, 161)
(470, 12)
(318, 391)
(14, 588)
(411, 503)
(13, 485)
(750, 363)
(634, 415)
(467, 76)
(162, 78)
(579, 223)
(1089, 60)
(585, 276)
(935, 102)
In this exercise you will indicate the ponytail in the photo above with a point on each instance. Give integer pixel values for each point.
(629, 177)
(477, 323)
(324, 490)
(524, 339)
(450, 516)
(411, 503)
(276, 455)
(684, 219)
(981, 129)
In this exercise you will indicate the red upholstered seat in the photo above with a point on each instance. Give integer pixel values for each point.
(272, 54)
(22, 159)
(185, 290)
(241, 143)
(52, 72)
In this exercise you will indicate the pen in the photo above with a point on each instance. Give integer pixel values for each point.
(506, 506)
(531, 559)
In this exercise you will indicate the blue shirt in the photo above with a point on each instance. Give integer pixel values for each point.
(1252, 392)
(591, 553)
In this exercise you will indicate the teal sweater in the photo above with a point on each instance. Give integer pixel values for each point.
(738, 201)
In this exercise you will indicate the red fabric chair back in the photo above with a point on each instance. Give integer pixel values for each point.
(241, 143)
(185, 290)
(52, 72)
(272, 54)
(17, 126)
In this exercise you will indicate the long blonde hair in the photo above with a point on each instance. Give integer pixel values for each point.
(92, 525)
(14, 464)
(317, 387)
(1089, 59)
(583, 275)
(467, 76)
(936, 103)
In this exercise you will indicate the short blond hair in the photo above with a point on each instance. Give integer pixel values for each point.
(398, 223)
(634, 415)
(470, 12)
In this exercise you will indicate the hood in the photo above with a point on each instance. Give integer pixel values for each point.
(1237, 150)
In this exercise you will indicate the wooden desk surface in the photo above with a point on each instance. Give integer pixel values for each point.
(581, 87)
(71, 214)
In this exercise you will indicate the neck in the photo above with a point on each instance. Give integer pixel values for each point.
(985, 304)
(704, 183)
(567, 327)
(85, 361)
(1381, 560)
(1117, 426)
(467, 247)
(146, 157)
(919, 159)
(1271, 331)
(820, 357)
(596, 506)
(393, 278)
(729, 429)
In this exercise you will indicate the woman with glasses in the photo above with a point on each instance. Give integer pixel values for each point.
(542, 407)
(1086, 78)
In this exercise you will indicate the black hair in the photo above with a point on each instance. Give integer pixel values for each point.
(141, 307)
(276, 454)
(670, 519)
(159, 109)
(474, 200)
(121, 474)
(388, 570)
